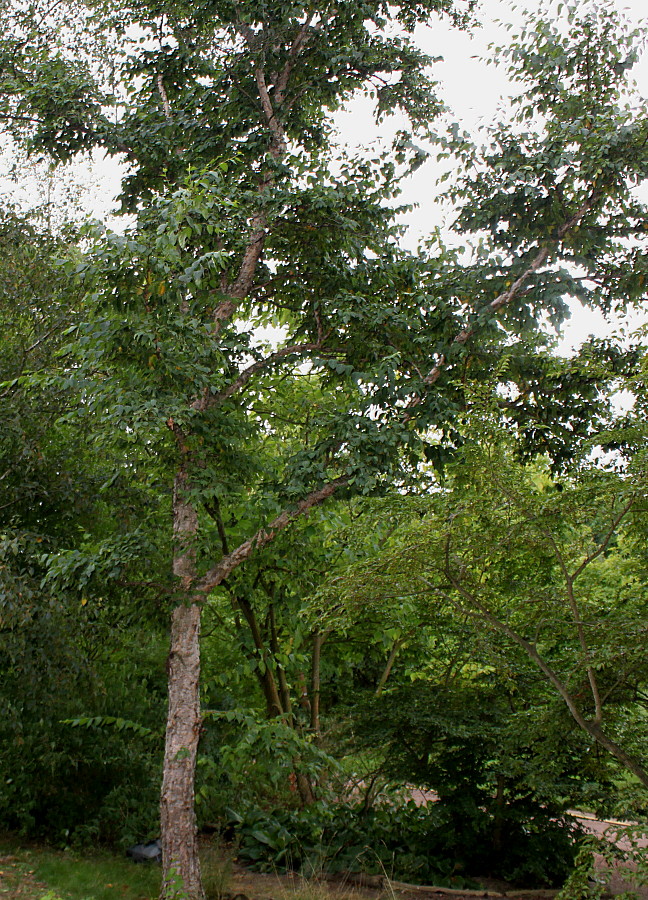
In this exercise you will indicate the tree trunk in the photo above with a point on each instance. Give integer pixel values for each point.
(180, 863)
(318, 640)
(304, 787)
(389, 665)
(284, 688)
(265, 675)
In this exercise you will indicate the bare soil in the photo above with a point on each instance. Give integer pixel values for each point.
(244, 884)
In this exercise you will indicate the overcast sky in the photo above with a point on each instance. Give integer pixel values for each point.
(470, 87)
(474, 91)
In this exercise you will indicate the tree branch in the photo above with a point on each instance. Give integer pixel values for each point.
(391, 659)
(606, 540)
(240, 382)
(298, 45)
(214, 511)
(477, 609)
(514, 290)
(165, 100)
(570, 578)
(240, 287)
(278, 140)
(264, 536)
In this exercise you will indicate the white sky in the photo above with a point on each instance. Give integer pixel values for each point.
(475, 92)
(472, 89)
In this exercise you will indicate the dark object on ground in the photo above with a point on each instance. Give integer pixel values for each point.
(151, 852)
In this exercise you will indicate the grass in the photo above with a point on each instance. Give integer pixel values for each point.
(72, 876)
(38, 873)
(97, 877)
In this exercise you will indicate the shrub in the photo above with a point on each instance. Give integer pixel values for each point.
(426, 845)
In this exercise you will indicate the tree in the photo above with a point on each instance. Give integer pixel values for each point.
(268, 234)
(249, 217)
(67, 628)
(549, 568)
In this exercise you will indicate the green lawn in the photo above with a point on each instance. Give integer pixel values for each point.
(97, 877)
(40, 873)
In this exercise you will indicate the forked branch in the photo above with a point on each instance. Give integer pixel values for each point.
(244, 377)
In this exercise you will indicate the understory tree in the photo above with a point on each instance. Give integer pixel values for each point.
(255, 331)
(545, 577)
(67, 519)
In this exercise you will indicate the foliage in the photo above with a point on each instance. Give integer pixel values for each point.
(68, 639)
(67, 785)
(544, 569)
(503, 769)
(425, 845)
(254, 348)
(248, 758)
(620, 851)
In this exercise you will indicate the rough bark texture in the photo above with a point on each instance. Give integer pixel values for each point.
(180, 862)
(178, 820)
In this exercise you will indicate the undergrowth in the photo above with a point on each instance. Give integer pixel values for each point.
(433, 845)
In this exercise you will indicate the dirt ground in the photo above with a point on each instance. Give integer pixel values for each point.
(258, 886)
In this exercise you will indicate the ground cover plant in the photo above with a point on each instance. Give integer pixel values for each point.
(439, 845)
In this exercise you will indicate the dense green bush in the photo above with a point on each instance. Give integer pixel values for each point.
(426, 845)
(504, 760)
(76, 785)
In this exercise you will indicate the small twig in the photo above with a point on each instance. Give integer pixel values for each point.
(207, 402)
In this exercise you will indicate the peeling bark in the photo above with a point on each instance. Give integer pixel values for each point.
(180, 862)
